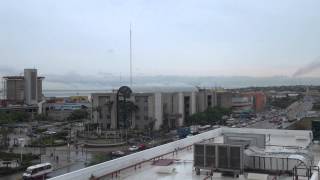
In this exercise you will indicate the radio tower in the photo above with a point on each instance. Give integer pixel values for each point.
(130, 56)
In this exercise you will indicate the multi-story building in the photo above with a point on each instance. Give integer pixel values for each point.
(25, 89)
(104, 110)
(242, 103)
(259, 100)
(145, 113)
(224, 99)
(155, 110)
(206, 98)
(158, 110)
(176, 107)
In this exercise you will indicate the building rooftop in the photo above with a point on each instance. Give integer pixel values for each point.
(285, 147)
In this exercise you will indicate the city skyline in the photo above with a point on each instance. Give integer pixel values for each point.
(179, 38)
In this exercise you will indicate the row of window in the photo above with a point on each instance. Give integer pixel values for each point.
(144, 117)
(145, 99)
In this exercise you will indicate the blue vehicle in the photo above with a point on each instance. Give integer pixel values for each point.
(183, 132)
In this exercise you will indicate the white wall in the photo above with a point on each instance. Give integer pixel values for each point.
(193, 102)
(30, 86)
(180, 108)
(158, 111)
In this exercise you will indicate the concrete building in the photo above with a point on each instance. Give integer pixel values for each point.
(242, 103)
(25, 89)
(104, 110)
(248, 101)
(156, 109)
(176, 107)
(30, 86)
(224, 99)
(172, 114)
(170, 110)
(147, 114)
(206, 98)
(259, 100)
(14, 89)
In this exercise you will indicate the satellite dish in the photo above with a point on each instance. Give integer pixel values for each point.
(125, 91)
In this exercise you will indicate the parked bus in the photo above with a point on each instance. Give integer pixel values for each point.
(37, 171)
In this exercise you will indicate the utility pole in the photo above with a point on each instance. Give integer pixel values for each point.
(69, 143)
(21, 142)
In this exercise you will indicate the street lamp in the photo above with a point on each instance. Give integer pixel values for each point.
(21, 142)
(123, 93)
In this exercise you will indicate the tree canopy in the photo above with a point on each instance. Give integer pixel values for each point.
(210, 116)
(78, 114)
(13, 116)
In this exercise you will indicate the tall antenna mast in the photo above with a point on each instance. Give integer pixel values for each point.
(130, 56)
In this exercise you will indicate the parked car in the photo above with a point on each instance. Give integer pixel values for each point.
(49, 132)
(142, 147)
(118, 153)
(133, 148)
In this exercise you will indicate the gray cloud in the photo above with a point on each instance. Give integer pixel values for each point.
(107, 81)
(7, 71)
(308, 68)
(76, 81)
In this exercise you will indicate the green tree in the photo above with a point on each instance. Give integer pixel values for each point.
(13, 116)
(209, 116)
(41, 117)
(126, 110)
(78, 114)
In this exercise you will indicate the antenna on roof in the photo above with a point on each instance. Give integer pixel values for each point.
(130, 56)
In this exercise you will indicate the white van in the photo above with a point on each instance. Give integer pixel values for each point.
(37, 171)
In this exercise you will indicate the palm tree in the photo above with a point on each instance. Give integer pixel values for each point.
(109, 106)
(127, 108)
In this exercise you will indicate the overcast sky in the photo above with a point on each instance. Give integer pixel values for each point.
(170, 37)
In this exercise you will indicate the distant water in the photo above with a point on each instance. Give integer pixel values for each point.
(169, 84)
(67, 93)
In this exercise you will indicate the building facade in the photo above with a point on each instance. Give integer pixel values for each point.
(259, 100)
(206, 98)
(25, 89)
(155, 110)
(224, 99)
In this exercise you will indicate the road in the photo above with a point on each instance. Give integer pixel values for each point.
(63, 165)
(263, 125)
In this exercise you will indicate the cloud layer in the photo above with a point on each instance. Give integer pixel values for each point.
(309, 68)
